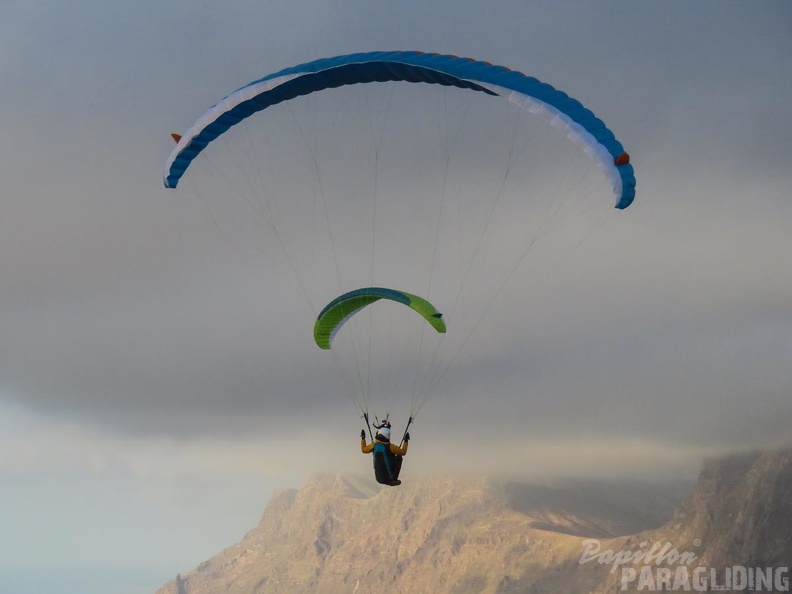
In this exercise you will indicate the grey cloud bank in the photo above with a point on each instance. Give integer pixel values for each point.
(123, 305)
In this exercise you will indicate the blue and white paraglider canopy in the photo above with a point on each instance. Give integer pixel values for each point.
(576, 121)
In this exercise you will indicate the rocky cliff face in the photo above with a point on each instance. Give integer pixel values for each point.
(740, 511)
(738, 514)
(473, 535)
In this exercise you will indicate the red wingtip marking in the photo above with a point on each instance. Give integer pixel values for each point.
(622, 159)
(176, 137)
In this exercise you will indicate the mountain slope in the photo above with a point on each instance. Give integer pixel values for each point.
(465, 535)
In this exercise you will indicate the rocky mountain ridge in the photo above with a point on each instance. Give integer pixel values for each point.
(464, 535)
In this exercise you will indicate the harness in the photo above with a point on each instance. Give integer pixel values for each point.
(383, 450)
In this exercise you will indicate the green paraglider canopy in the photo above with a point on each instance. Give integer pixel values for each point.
(340, 309)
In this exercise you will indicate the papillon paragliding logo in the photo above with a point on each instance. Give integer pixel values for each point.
(662, 567)
(423, 195)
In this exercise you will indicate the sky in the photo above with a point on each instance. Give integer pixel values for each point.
(149, 402)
